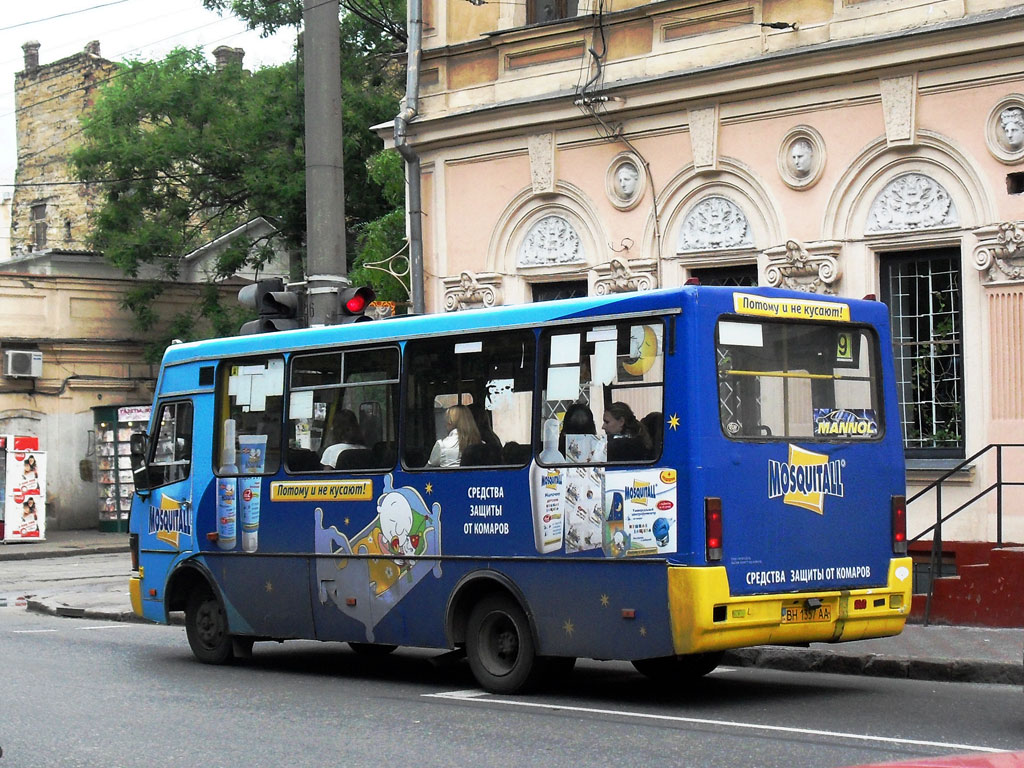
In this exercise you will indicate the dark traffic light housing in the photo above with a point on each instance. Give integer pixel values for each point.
(353, 303)
(278, 308)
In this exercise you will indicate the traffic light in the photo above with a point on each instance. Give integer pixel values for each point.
(353, 303)
(278, 308)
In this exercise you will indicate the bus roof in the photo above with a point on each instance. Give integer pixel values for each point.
(531, 314)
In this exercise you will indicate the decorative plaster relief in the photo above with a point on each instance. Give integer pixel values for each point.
(551, 240)
(714, 224)
(899, 100)
(618, 276)
(704, 138)
(814, 268)
(1000, 251)
(542, 162)
(801, 157)
(1004, 129)
(625, 181)
(910, 202)
(471, 291)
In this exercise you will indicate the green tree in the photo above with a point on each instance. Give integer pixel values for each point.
(186, 153)
(373, 44)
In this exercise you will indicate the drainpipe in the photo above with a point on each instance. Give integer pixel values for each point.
(410, 108)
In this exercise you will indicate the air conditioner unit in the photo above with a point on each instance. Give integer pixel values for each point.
(23, 363)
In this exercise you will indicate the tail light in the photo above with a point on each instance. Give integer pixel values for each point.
(713, 528)
(899, 525)
(133, 546)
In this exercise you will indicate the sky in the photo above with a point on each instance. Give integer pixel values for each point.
(125, 29)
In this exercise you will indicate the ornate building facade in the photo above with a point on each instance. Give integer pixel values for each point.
(840, 147)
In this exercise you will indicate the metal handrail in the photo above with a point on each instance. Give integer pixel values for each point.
(936, 485)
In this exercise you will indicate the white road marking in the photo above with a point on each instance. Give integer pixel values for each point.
(31, 631)
(475, 696)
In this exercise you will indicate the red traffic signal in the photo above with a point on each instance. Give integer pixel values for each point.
(354, 302)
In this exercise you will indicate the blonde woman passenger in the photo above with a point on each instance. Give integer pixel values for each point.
(462, 433)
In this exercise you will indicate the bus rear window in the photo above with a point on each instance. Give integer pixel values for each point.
(797, 380)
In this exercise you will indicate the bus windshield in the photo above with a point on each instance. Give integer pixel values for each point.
(797, 380)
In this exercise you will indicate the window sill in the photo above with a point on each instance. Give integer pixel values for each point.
(925, 471)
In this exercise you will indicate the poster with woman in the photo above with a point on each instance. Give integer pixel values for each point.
(25, 496)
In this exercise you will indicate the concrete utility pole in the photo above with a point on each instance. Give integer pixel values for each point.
(326, 269)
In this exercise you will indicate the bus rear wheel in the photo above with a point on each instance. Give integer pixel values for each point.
(499, 645)
(678, 669)
(206, 626)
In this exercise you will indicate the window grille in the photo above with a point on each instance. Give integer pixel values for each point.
(924, 297)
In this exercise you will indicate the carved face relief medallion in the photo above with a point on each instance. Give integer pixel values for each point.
(1005, 129)
(625, 181)
(801, 157)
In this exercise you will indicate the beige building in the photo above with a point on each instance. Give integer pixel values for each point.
(846, 147)
(64, 303)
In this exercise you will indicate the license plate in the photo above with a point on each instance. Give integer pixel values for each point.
(798, 614)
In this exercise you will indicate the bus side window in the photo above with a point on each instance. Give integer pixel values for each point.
(469, 401)
(250, 406)
(342, 410)
(604, 385)
(172, 450)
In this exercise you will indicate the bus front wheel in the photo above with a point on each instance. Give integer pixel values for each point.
(678, 669)
(206, 627)
(499, 645)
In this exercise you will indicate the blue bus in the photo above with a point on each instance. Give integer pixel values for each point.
(654, 477)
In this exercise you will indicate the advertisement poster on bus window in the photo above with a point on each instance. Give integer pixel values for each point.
(641, 514)
(25, 496)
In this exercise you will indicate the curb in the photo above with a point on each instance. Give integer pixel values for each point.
(30, 554)
(39, 606)
(874, 665)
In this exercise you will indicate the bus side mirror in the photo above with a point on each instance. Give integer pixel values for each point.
(138, 448)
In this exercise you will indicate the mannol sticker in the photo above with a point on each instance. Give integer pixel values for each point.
(792, 309)
(806, 479)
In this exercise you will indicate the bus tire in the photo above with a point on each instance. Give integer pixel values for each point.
(206, 626)
(678, 669)
(372, 649)
(499, 645)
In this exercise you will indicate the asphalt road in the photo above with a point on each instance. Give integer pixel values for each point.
(86, 693)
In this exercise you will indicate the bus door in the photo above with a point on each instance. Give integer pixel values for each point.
(166, 530)
(256, 541)
(341, 437)
(800, 454)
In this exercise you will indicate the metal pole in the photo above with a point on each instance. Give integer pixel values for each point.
(412, 161)
(326, 268)
(999, 495)
(936, 563)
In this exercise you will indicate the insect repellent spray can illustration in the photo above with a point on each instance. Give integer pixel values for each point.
(253, 451)
(547, 491)
(227, 501)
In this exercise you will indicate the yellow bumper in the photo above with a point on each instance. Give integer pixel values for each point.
(705, 617)
(135, 591)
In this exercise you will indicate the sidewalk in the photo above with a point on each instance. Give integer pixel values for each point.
(941, 653)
